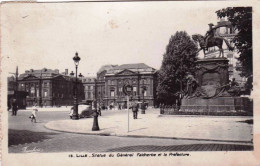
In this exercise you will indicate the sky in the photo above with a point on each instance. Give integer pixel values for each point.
(35, 36)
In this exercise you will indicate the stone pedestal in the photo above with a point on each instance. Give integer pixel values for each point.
(211, 74)
(211, 96)
(221, 104)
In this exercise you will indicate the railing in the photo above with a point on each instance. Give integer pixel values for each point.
(206, 110)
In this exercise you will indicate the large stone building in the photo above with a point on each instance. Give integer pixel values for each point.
(49, 87)
(112, 78)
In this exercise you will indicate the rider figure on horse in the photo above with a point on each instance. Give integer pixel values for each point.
(210, 34)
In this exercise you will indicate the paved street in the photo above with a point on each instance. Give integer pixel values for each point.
(25, 136)
(151, 124)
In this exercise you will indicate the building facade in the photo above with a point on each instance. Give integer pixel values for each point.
(89, 88)
(50, 88)
(112, 78)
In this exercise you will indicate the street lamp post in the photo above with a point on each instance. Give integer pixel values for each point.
(75, 115)
(95, 114)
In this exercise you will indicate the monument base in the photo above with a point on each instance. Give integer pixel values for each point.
(221, 104)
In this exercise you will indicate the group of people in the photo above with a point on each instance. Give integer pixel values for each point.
(134, 106)
(120, 107)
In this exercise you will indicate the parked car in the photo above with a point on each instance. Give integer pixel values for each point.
(84, 111)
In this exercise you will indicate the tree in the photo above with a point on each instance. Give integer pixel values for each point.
(241, 19)
(177, 62)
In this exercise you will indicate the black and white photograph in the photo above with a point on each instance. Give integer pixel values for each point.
(128, 81)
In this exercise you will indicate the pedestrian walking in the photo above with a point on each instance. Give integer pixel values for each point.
(135, 110)
(14, 107)
(34, 115)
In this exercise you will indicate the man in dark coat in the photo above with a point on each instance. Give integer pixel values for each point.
(14, 108)
(135, 110)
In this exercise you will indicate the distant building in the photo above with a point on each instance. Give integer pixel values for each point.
(89, 88)
(49, 87)
(14, 93)
(11, 83)
(112, 78)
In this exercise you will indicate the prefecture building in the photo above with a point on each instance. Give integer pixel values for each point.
(112, 78)
(49, 87)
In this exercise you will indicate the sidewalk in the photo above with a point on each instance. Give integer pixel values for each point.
(151, 124)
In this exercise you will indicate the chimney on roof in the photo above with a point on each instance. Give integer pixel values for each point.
(66, 72)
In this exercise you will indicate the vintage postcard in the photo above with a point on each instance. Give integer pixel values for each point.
(130, 83)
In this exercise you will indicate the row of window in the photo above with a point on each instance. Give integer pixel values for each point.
(120, 92)
(112, 93)
(134, 81)
(34, 84)
(36, 93)
(45, 84)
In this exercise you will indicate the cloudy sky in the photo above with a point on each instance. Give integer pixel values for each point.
(48, 34)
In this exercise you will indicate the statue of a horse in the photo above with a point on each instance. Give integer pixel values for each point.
(214, 41)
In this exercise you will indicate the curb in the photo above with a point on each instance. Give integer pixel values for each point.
(155, 137)
(179, 115)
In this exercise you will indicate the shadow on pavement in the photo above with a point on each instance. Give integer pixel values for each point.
(138, 129)
(250, 121)
(16, 137)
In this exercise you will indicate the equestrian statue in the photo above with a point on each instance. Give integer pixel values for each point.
(211, 40)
